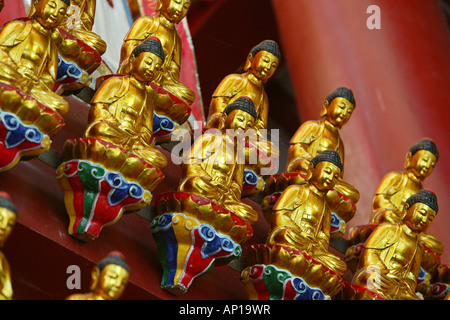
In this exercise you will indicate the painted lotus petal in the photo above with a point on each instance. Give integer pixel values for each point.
(19, 132)
(214, 242)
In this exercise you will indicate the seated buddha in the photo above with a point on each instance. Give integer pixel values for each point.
(29, 55)
(301, 218)
(8, 215)
(396, 187)
(390, 260)
(315, 136)
(261, 64)
(122, 108)
(163, 26)
(79, 21)
(214, 167)
(108, 279)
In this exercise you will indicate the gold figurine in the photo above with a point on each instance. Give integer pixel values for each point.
(122, 108)
(261, 64)
(163, 26)
(214, 167)
(396, 187)
(31, 112)
(392, 255)
(29, 55)
(108, 279)
(301, 218)
(8, 215)
(295, 262)
(313, 137)
(390, 196)
(118, 148)
(310, 139)
(204, 222)
(80, 49)
(79, 21)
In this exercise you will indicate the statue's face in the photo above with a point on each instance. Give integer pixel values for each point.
(112, 281)
(239, 119)
(419, 217)
(422, 164)
(339, 111)
(7, 221)
(325, 175)
(147, 66)
(175, 10)
(49, 13)
(263, 65)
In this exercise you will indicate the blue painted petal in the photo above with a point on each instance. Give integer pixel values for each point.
(162, 123)
(250, 177)
(214, 243)
(335, 220)
(68, 69)
(19, 132)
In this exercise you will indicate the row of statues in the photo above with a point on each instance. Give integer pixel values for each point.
(116, 167)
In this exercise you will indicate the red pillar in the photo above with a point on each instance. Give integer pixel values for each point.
(400, 75)
(11, 10)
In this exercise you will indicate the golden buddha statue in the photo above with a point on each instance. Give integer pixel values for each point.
(108, 279)
(163, 26)
(301, 218)
(122, 108)
(79, 21)
(29, 55)
(396, 187)
(214, 167)
(389, 199)
(315, 136)
(261, 64)
(390, 260)
(8, 215)
(81, 26)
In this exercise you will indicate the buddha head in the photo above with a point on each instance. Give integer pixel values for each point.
(325, 170)
(173, 10)
(50, 13)
(147, 60)
(419, 210)
(263, 60)
(422, 158)
(8, 215)
(110, 276)
(240, 114)
(338, 106)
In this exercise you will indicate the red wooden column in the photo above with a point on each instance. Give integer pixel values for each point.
(400, 75)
